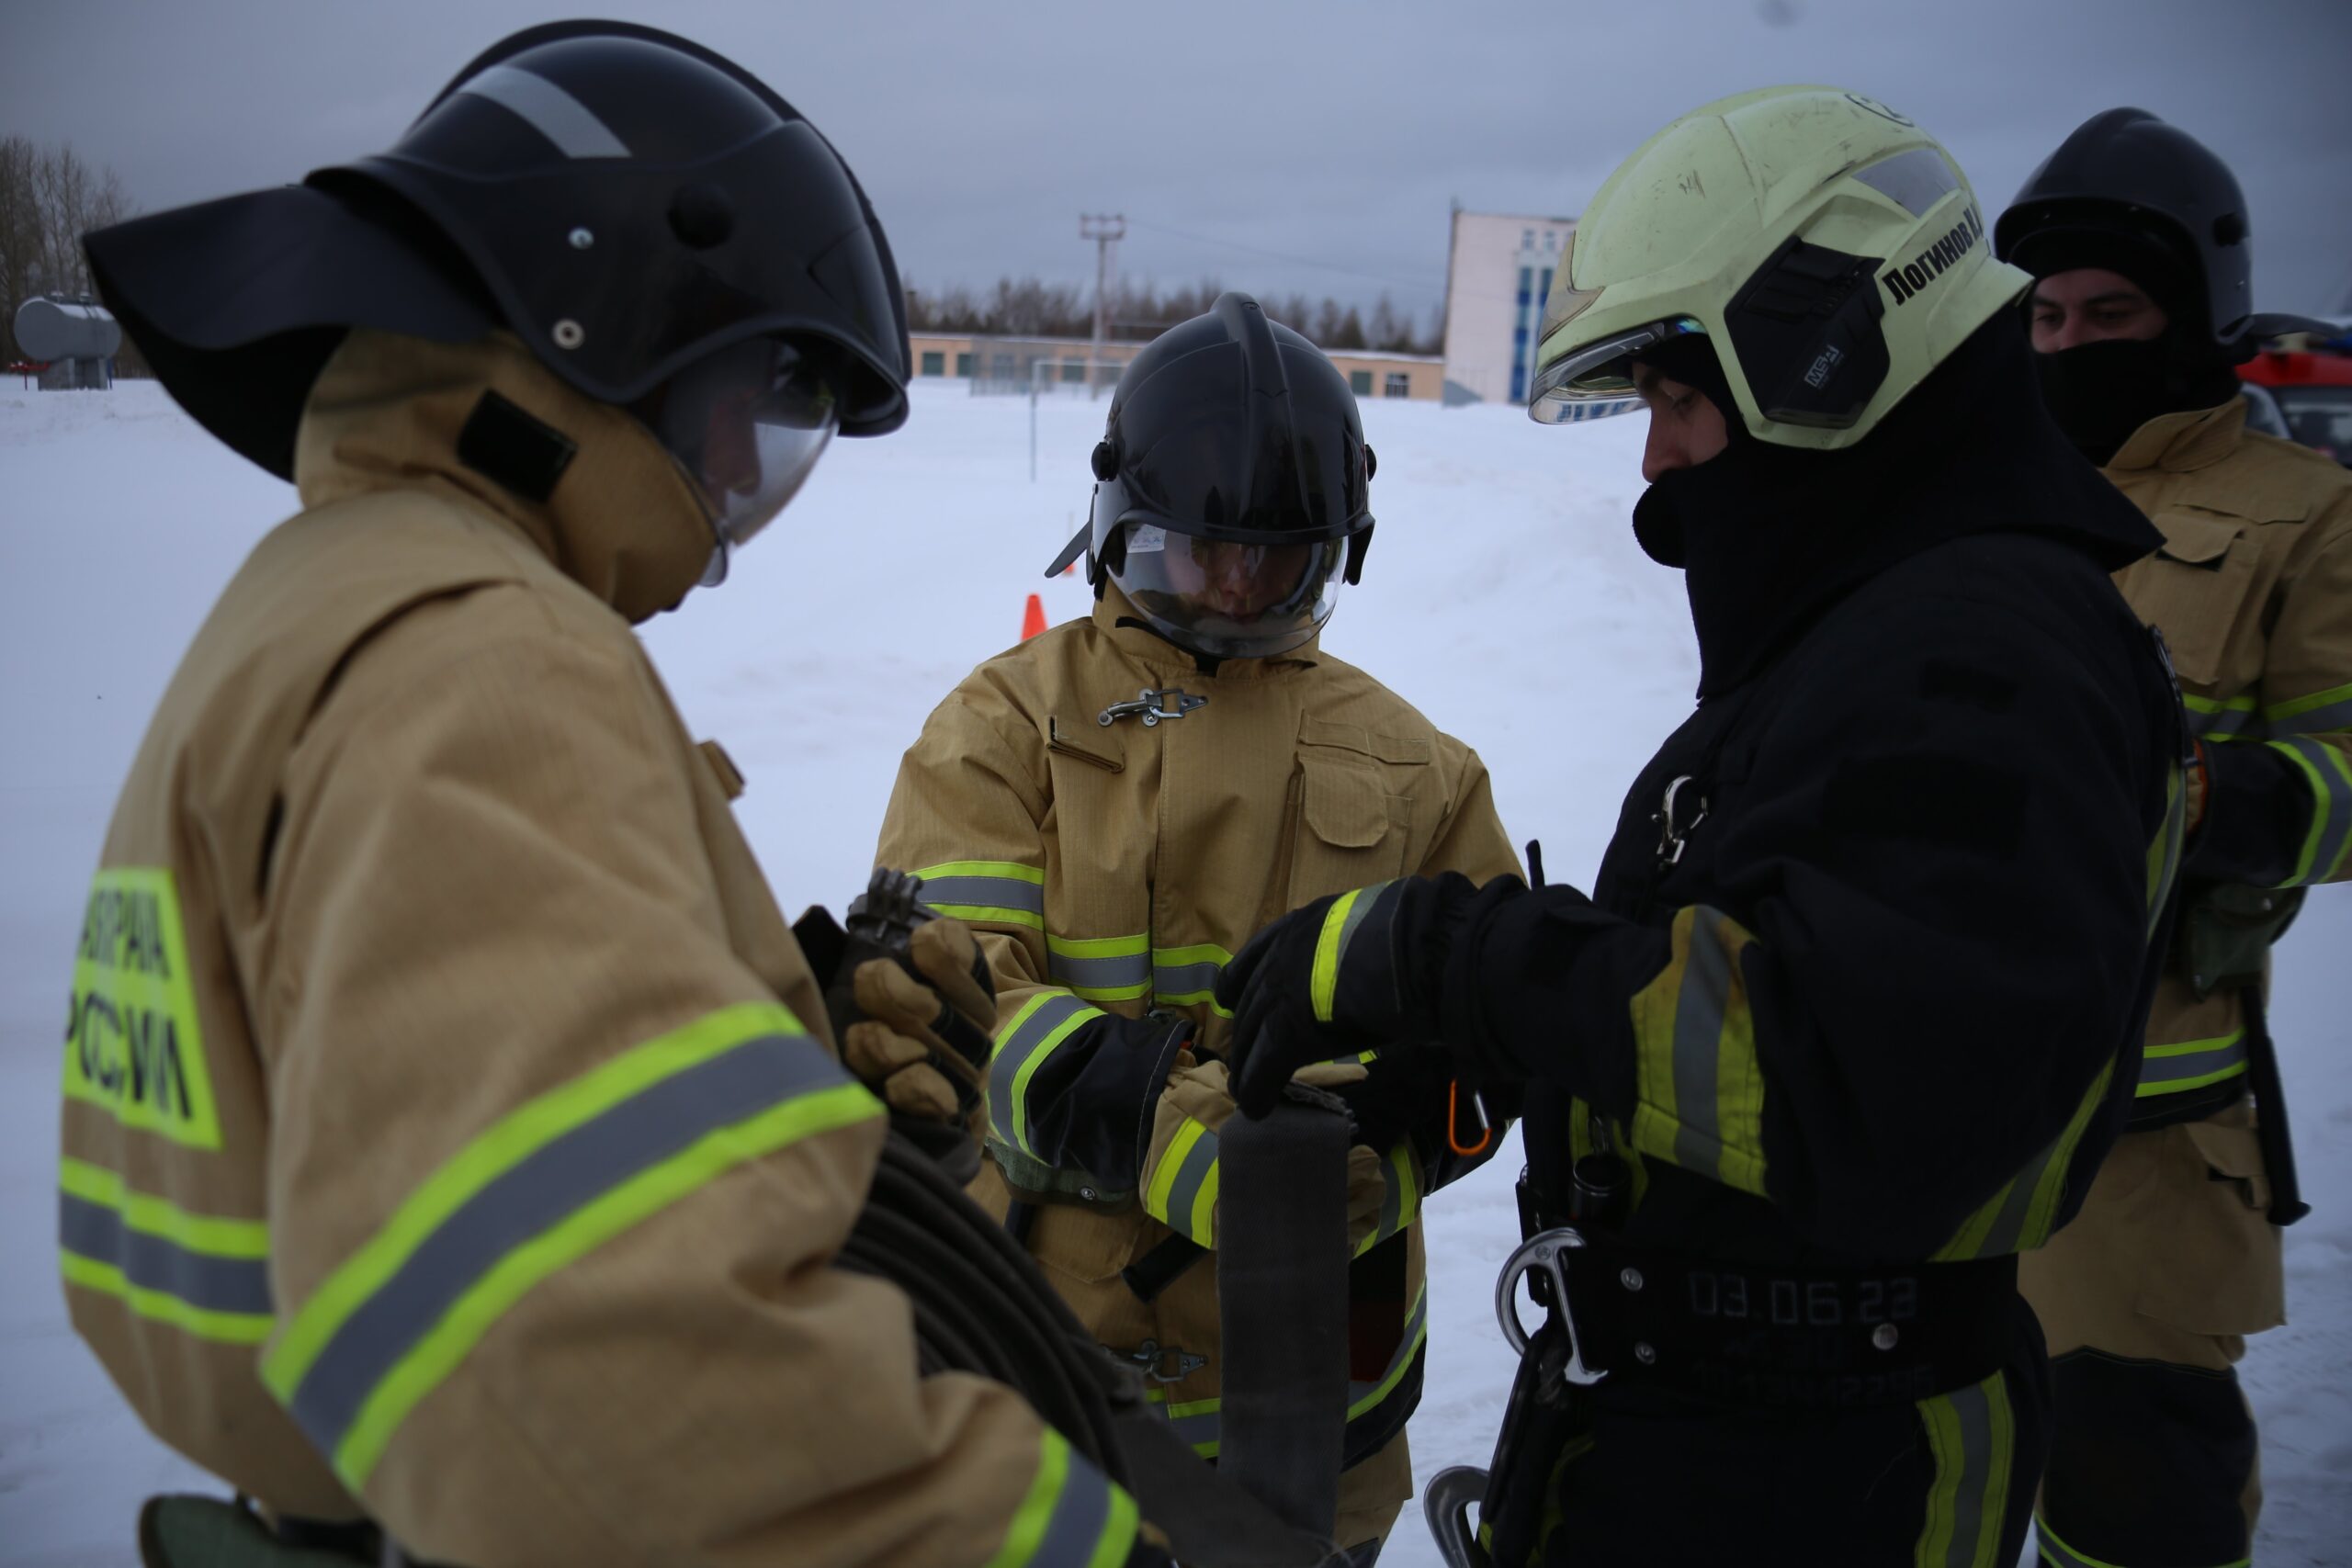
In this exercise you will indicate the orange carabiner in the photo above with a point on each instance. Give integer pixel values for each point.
(1454, 1120)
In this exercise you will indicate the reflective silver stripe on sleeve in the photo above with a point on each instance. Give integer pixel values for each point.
(1698, 1046)
(552, 1182)
(2192, 1064)
(1973, 1407)
(1074, 1534)
(1028, 1038)
(1121, 972)
(547, 109)
(2330, 834)
(2317, 713)
(204, 1280)
(1184, 1192)
(984, 893)
(2223, 723)
(1172, 980)
(2017, 1202)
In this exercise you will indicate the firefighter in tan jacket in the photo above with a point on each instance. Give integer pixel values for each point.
(2136, 235)
(453, 1136)
(1120, 802)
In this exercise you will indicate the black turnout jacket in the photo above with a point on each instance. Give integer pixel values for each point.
(1863, 975)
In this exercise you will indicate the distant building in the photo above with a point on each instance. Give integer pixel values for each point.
(1061, 363)
(1498, 275)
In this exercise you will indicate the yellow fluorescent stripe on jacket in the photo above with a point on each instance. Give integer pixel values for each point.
(1699, 1085)
(1400, 1197)
(1972, 1432)
(2315, 712)
(565, 1172)
(1072, 1517)
(158, 1217)
(2328, 840)
(988, 891)
(1184, 1185)
(202, 1274)
(1100, 969)
(2020, 1216)
(1182, 1192)
(1023, 1042)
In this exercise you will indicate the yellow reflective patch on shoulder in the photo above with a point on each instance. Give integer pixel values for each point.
(132, 1041)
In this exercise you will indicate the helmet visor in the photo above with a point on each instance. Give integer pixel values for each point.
(1597, 380)
(1227, 598)
(747, 424)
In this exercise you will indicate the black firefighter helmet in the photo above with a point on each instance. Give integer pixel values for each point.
(1233, 492)
(2129, 193)
(652, 221)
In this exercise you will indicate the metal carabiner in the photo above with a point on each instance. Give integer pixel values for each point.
(1152, 705)
(1446, 1503)
(1546, 1251)
(1673, 831)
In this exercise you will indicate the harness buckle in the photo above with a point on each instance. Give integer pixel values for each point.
(1544, 1253)
(1152, 705)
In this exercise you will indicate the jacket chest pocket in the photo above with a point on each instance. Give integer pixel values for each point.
(2199, 590)
(1096, 828)
(1351, 827)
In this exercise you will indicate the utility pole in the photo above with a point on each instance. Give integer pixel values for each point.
(1102, 229)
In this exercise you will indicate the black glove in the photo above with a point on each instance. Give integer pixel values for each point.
(1358, 972)
(1402, 1091)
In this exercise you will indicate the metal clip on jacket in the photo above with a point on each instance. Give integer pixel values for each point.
(1151, 707)
(1675, 820)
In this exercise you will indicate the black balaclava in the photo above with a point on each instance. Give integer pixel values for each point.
(2100, 392)
(1768, 537)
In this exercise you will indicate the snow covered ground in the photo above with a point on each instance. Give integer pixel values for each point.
(1505, 597)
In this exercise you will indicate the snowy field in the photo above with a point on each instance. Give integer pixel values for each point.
(1503, 596)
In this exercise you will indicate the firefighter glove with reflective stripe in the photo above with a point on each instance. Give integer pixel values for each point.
(1339, 975)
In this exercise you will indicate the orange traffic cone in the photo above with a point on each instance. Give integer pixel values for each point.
(1033, 619)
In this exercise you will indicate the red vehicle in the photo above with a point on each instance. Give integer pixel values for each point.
(2313, 391)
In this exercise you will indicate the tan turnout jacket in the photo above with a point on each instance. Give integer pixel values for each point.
(1118, 867)
(2253, 591)
(452, 1128)
(2172, 1258)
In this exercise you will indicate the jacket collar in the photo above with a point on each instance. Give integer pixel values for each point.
(2179, 443)
(1115, 620)
(622, 520)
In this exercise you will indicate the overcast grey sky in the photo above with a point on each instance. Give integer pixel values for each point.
(1332, 135)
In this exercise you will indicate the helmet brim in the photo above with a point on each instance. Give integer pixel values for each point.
(238, 303)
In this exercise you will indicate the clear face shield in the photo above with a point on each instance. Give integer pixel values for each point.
(1229, 599)
(747, 424)
(1596, 380)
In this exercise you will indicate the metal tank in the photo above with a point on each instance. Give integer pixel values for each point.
(75, 336)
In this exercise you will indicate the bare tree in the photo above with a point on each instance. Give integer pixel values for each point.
(48, 198)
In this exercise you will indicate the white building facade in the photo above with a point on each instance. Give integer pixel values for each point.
(1498, 273)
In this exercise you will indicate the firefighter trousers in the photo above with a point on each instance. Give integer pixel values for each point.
(2146, 1300)
(1665, 1480)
